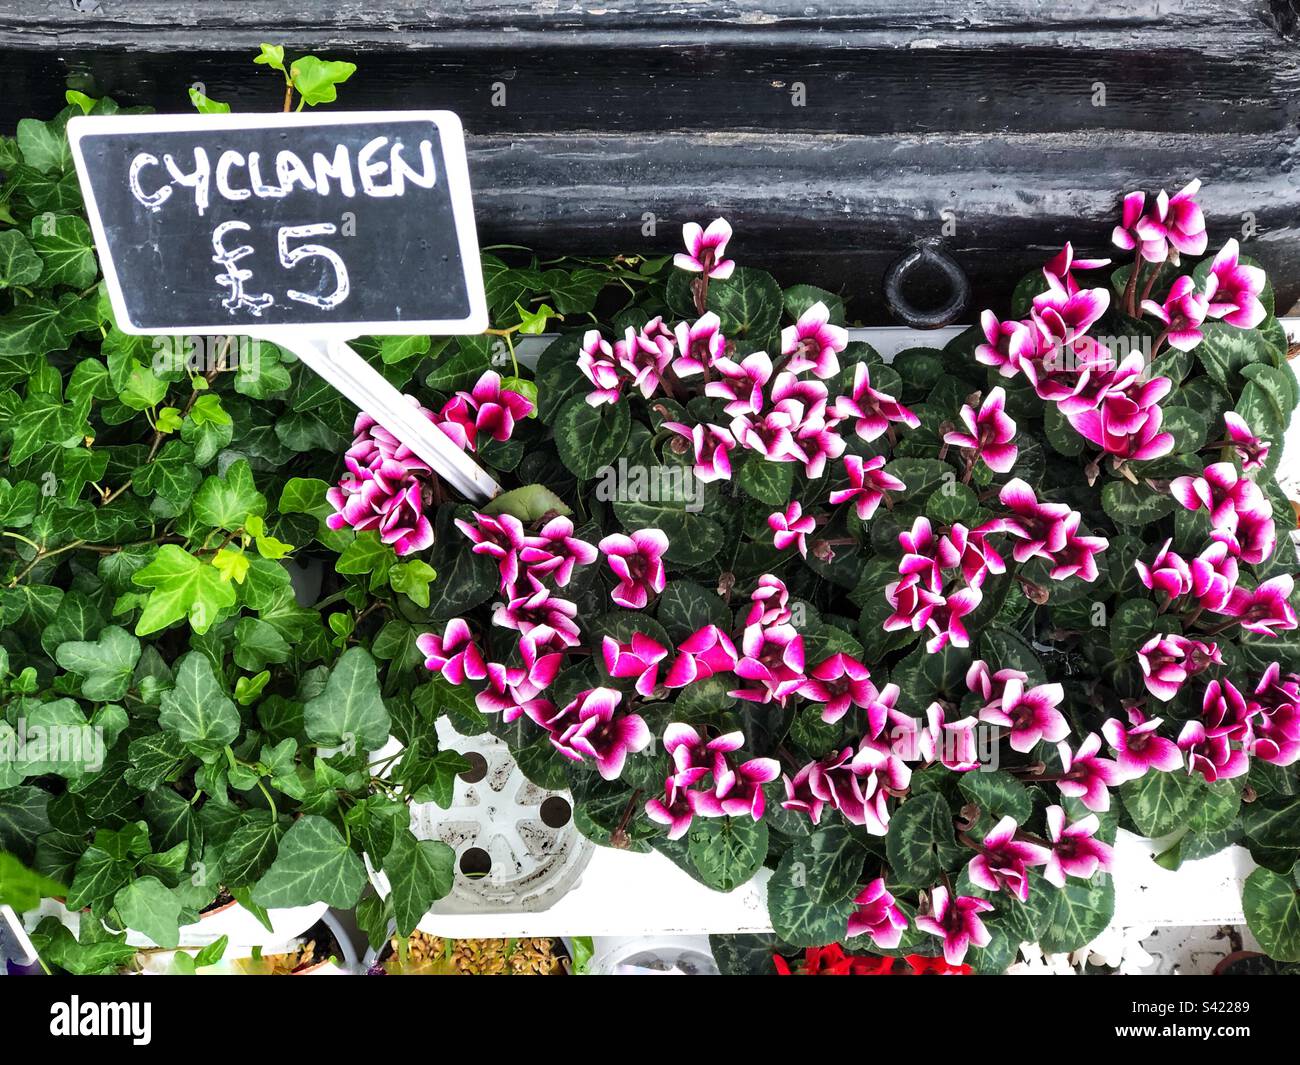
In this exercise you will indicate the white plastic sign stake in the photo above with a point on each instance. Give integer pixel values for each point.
(303, 230)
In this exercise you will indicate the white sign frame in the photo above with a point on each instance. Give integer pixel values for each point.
(323, 346)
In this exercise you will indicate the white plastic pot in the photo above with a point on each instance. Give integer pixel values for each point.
(348, 964)
(652, 955)
(15, 946)
(242, 928)
(517, 849)
(245, 931)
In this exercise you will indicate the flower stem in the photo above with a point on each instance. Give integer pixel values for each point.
(1130, 290)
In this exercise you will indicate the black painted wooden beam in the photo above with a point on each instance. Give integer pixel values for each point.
(832, 133)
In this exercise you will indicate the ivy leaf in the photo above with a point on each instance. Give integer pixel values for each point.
(105, 666)
(34, 327)
(44, 145)
(313, 864)
(196, 709)
(140, 387)
(437, 776)
(206, 436)
(97, 953)
(231, 564)
(420, 873)
(226, 502)
(154, 758)
(250, 850)
(272, 55)
(22, 888)
(99, 875)
(181, 586)
(171, 475)
(67, 249)
(316, 78)
(205, 105)
(305, 495)
(17, 504)
(41, 422)
(148, 907)
(19, 263)
(259, 644)
(366, 554)
(412, 579)
(349, 710)
(400, 348)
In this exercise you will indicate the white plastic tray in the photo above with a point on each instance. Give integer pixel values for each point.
(624, 893)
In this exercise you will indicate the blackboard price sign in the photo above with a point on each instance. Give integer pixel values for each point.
(307, 230)
(348, 223)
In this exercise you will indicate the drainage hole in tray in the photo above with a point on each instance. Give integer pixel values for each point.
(475, 863)
(477, 768)
(556, 812)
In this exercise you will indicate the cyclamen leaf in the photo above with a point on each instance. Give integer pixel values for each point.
(589, 438)
(727, 851)
(768, 482)
(810, 896)
(1159, 802)
(922, 841)
(1083, 910)
(313, 864)
(1272, 906)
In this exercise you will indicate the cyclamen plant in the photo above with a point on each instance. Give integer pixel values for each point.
(827, 628)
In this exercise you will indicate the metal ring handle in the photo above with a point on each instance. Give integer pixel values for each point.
(927, 255)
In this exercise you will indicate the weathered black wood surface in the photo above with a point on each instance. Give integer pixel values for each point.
(988, 110)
